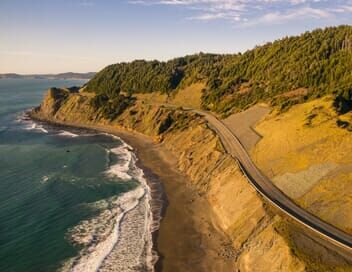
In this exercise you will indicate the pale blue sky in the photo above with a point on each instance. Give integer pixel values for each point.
(50, 36)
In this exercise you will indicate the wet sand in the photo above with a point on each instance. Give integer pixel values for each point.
(188, 239)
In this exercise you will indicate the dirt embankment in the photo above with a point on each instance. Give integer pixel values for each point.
(241, 124)
(258, 240)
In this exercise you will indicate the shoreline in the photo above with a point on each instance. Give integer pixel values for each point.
(158, 199)
(187, 235)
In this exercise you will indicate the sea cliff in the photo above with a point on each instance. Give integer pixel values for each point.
(261, 239)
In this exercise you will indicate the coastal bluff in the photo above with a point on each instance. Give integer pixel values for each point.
(261, 238)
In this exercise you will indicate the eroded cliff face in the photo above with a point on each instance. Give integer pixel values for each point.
(261, 241)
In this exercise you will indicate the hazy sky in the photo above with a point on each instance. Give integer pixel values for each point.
(50, 36)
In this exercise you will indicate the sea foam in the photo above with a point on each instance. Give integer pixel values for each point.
(68, 134)
(30, 124)
(34, 126)
(126, 162)
(119, 238)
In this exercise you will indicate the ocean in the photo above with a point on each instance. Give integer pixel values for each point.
(70, 200)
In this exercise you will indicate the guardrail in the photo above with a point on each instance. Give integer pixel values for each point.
(337, 240)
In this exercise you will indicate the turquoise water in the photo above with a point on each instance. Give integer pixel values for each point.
(48, 178)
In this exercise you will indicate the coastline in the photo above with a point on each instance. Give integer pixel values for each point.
(187, 236)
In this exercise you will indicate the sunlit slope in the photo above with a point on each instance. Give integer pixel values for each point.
(190, 96)
(307, 153)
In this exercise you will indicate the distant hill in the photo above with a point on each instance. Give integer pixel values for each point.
(284, 72)
(68, 75)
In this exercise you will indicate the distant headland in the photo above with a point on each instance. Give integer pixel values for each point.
(69, 75)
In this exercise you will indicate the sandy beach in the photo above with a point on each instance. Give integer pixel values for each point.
(188, 239)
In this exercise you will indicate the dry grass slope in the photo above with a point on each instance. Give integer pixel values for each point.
(187, 97)
(309, 157)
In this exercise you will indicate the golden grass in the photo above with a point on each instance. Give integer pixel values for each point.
(304, 137)
(149, 98)
(331, 200)
(189, 96)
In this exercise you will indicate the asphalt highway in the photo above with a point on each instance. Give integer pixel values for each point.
(269, 191)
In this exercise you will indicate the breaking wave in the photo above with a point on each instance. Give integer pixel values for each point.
(68, 134)
(119, 238)
(29, 124)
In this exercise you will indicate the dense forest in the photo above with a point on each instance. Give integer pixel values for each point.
(284, 72)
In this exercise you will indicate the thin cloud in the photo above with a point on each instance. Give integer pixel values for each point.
(85, 3)
(253, 12)
(291, 15)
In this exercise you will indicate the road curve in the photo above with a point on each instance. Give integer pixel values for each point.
(269, 191)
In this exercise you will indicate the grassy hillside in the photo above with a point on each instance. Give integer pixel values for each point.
(284, 72)
(307, 156)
